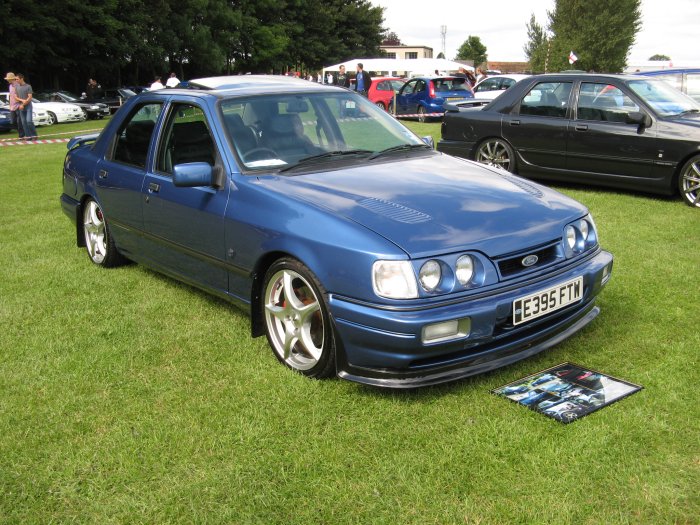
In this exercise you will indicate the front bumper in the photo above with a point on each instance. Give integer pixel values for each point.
(383, 346)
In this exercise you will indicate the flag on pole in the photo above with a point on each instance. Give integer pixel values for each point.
(572, 58)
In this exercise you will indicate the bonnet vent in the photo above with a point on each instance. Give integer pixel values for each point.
(394, 211)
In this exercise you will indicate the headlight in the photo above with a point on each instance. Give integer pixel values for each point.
(570, 237)
(464, 269)
(94, 107)
(394, 280)
(580, 236)
(430, 275)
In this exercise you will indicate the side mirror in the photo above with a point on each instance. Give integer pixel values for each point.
(193, 174)
(429, 141)
(638, 117)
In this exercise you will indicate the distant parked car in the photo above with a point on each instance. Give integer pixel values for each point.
(490, 87)
(40, 116)
(93, 110)
(382, 90)
(115, 97)
(685, 80)
(5, 121)
(424, 95)
(622, 131)
(56, 112)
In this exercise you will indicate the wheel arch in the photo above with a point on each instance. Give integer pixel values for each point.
(257, 323)
(679, 168)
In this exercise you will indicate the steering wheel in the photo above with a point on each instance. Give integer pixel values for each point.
(259, 154)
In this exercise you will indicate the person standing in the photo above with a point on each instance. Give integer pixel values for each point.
(173, 81)
(24, 96)
(362, 80)
(480, 74)
(342, 80)
(14, 104)
(156, 84)
(92, 90)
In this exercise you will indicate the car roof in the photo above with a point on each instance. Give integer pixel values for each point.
(247, 85)
(669, 71)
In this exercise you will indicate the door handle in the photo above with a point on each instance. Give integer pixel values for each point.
(514, 122)
(153, 187)
(581, 127)
(102, 174)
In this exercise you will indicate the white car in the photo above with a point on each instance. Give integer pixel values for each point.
(490, 87)
(39, 116)
(55, 111)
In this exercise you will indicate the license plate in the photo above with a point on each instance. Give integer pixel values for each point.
(547, 301)
(455, 98)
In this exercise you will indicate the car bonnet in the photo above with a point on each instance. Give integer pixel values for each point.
(438, 204)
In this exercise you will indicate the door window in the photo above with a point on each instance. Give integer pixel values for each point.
(490, 84)
(134, 136)
(603, 102)
(692, 85)
(186, 139)
(547, 99)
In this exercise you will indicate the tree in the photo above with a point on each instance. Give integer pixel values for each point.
(392, 39)
(536, 47)
(472, 49)
(599, 32)
(659, 57)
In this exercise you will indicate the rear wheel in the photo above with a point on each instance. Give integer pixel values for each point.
(297, 322)
(380, 104)
(98, 241)
(689, 182)
(497, 153)
(421, 114)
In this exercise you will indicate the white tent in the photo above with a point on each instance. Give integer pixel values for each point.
(408, 66)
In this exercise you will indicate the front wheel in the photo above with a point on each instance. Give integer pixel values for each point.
(52, 118)
(98, 241)
(297, 322)
(497, 153)
(689, 182)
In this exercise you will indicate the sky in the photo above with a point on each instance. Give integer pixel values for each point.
(669, 27)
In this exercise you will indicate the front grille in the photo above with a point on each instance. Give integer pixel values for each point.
(513, 264)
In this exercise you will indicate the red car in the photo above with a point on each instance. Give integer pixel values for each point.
(382, 90)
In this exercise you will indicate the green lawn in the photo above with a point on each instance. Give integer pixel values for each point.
(126, 397)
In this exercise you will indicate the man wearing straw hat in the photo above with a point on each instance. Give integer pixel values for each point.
(14, 104)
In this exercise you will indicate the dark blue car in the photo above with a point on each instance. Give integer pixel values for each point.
(5, 121)
(422, 96)
(356, 248)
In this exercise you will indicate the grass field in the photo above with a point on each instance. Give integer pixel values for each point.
(126, 397)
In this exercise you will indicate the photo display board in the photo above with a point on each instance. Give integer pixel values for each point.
(567, 392)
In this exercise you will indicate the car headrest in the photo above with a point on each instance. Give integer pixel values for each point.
(297, 106)
(285, 124)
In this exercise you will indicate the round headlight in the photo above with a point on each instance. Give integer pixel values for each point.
(584, 230)
(570, 237)
(465, 269)
(430, 275)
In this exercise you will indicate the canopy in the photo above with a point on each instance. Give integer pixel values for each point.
(410, 66)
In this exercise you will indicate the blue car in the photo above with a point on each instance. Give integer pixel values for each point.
(421, 96)
(356, 248)
(686, 80)
(5, 120)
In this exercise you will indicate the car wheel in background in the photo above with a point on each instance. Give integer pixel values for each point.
(297, 322)
(380, 104)
(421, 114)
(52, 118)
(689, 182)
(497, 153)
(98, 241)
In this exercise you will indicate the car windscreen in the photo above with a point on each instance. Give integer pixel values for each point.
(663, 98)
(281, 131)
(70, 96)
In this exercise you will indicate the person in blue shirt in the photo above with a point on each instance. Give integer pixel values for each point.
(362, 81)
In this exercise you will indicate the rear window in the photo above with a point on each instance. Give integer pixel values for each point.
(450, 84)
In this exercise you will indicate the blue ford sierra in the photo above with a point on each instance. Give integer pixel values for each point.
(357, 249)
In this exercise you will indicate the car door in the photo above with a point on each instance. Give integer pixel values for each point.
(184, 226)
(120, 174)
(407, 99)
(537, 127)
(600, 139)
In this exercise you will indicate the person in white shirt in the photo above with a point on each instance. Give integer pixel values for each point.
(173, 81)
(157, 84)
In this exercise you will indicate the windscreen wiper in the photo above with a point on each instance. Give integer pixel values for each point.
(325, 156)
(401, 147)
(687, 111)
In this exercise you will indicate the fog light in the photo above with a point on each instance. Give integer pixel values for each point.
(446, 330)
(607, 271)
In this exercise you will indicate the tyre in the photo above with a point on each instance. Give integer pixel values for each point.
(421, 114)
(497, 153)
(98, 241)
(380, 104)
(52, 118)
(689, 182)
(297, 322)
